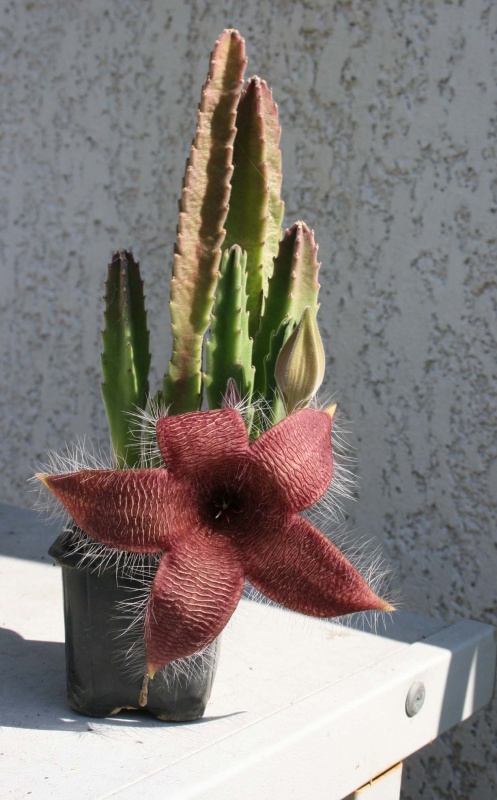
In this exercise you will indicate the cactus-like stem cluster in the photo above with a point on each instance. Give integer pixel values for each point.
(125, 354)
(253, 298)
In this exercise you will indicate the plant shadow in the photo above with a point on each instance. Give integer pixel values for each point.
(32, 691)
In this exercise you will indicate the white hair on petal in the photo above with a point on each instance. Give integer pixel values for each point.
(77, 457)
(98, 557)
(129, 622)
(370, 564)
(262, 415)
(330, 509)
(256, 412)
(191, 668)
(145, 433)
(329, 515)
(254, 595)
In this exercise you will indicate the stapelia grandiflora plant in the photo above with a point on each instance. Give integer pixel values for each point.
(218, 494)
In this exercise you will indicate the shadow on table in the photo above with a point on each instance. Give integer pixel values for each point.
(32, 691)
(26, 534)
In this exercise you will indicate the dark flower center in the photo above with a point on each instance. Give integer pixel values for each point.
(225, 504)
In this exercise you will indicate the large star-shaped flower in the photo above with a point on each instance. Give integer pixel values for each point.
(224, 509)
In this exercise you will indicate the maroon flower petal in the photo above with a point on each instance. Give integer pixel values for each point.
(196, 589)
(300, 568)
(196, 443)
(120, 508)
(297, 453)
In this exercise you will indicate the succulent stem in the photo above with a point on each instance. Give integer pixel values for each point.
(272, 392)
(292, 286)
(229, 349)
(203, 209)
(125, 354)
(256, 209)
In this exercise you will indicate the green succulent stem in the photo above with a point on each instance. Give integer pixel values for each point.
(272, 393)
(125, 354)
(203, 209)
(229, 349)
(292, 287)
(256, 209)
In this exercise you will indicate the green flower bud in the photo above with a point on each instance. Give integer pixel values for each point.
(299, 369)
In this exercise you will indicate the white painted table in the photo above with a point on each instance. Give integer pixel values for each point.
(300, 708)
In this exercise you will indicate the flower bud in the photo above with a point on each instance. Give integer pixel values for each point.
(299, 369)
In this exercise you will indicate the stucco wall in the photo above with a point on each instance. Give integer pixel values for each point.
(389, 150)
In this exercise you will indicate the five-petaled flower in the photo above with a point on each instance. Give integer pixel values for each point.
(223, 509)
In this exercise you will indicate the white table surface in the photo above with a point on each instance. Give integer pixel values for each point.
(300, 708)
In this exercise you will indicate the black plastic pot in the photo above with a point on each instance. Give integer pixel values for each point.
(99, 681)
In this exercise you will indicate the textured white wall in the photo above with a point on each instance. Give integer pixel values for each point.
(389, 148)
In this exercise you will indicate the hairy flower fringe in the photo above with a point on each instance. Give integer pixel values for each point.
(261, 414)
(76, 457)
(145, 445)
(130, 621)
(370, 564)
(328, 515)
(97, 557)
